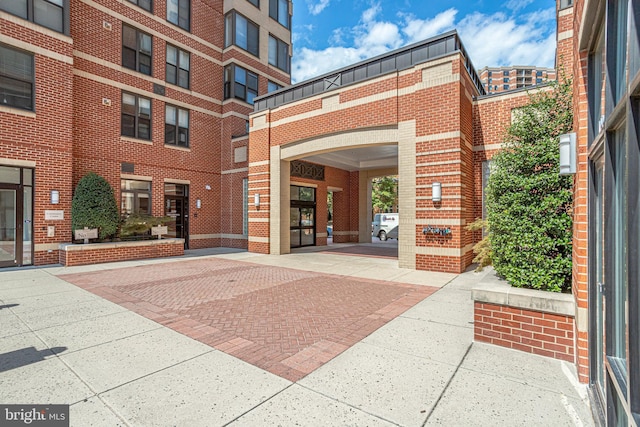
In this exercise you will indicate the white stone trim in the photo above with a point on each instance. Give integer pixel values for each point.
(144, 93)
(36, 49)
(233, 171)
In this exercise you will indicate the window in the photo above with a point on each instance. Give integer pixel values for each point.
(538, 81)
(490, 81)
(135, 197)
(178, 66)
(256, 3)
(490, 73)
(241, 32)
(16, 78)
(48, 13)
(505, 87)
(136, 50)
(539, 73)
(145, 4)
(505, 73)
(271, 86)
(505, 80)
(565, 3)
(136, 116)
(279, 54)
(179, 13)
(279, 10)
(176, 126)
(240, 83)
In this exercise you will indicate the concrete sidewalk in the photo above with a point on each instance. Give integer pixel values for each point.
(61, 344)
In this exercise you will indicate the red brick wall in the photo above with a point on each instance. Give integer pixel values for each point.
(120, 253)
(44, 137)
(534, 332)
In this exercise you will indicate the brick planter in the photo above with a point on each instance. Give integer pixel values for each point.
(95, 253)
(524, 319)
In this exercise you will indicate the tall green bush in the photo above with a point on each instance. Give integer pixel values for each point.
(529, 205)
(94, 206)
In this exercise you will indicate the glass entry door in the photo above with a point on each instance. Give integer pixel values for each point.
(302, 216)
(176, 206)
(10, 234)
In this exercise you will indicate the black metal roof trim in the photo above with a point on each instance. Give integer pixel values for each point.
(397, 60)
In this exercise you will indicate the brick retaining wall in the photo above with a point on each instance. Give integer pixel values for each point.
(95, 253)
(531, 331)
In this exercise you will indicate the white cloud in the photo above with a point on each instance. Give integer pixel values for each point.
(492, 40)
(316, 8)
(516, 5)
(419, 29)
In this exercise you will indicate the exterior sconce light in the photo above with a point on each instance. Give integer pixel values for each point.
(436, 192)
(198, 203)
(207, 187)
(55, 197)
(568, 154)
(256, 200)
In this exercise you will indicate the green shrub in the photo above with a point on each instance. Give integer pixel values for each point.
(529, 205)
(140, 224)
(94, 206)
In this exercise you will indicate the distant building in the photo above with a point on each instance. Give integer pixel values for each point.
(502, 79)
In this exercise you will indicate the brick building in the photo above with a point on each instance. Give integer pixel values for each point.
(152, 95)
(502, 79)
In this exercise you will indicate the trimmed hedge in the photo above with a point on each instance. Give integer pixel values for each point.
(94, 206)
(529, 204)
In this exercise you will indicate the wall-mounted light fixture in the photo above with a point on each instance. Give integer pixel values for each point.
(256, 200)
(568, 154)
(207, 187)
(55, 197)
(436, 192)
(198, 203)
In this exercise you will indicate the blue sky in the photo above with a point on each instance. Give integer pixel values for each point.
(329, 34)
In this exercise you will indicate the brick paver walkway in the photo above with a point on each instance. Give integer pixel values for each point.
(288, 322)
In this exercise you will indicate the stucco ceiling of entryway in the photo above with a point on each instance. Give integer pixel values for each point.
(363, 158)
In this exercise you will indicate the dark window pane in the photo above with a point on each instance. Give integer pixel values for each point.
(128, 125)
(15, 7)
(183, 80)
(128, 58)
(239, 91)
(48, 15)
(252, 81)
(169, 134)
(144, 128)
(171, 74)
(273, 9)
(250, 97)
(183, 137)
(252, 39)
(16, 93)
(145, 64)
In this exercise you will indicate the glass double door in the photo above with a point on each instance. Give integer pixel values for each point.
(302, 226)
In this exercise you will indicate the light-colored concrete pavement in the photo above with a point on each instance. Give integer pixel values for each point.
(61, 344)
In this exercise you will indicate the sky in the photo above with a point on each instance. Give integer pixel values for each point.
(330, 34)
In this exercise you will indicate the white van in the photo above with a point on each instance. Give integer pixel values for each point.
(385, 225)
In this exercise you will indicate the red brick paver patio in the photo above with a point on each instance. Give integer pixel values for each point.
(288, 322)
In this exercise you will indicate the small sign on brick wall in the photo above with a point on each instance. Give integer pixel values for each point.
(53, 215)
(86, 234)
(159, 231)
